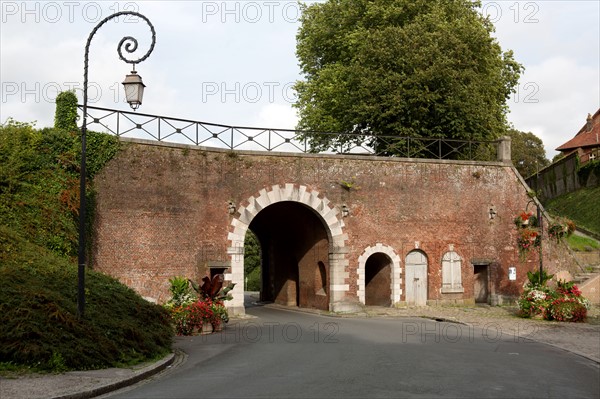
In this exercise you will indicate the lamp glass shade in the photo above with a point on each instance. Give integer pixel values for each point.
(134, 89)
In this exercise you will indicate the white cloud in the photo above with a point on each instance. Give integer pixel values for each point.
(558, 42)
(281, 116)
(554, 100)
(230, 48)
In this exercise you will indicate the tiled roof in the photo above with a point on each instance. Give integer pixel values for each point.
(585, 137)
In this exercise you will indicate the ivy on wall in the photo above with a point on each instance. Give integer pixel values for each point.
(590, 168)
(39, 177)
(65, 116)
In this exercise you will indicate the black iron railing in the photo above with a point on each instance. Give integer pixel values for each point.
(161, 128)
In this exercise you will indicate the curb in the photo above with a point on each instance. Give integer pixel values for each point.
(113, 386)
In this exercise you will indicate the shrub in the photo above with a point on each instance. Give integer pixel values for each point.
(180, 316)
(568, 309)
(253, 280)
(534, 302)
(564, 303)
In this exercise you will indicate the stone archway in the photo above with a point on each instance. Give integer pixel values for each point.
(396, 271)
(325, 211)
(295, 255)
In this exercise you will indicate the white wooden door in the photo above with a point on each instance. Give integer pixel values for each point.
(416, 278)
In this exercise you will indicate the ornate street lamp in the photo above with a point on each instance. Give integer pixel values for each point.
(134, 90)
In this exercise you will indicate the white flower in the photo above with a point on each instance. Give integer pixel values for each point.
(537, 295)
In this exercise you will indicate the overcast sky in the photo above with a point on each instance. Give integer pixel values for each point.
(233, 62)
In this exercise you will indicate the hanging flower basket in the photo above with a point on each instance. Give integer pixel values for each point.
(529, 235)
(561, 228)
(525, 219)
(529, 238)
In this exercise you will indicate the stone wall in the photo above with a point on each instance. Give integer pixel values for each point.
(560, 178)
(166, 210)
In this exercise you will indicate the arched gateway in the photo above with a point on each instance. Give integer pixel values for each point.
(333, 224)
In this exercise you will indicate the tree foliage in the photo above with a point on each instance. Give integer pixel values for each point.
(418, 68)
(252, 261)
(527, 152)
(65, 115)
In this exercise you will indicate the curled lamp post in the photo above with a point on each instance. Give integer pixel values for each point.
(134, 90)
(541, 224)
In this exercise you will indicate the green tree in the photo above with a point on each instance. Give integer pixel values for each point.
(418, 68)
(527, 152)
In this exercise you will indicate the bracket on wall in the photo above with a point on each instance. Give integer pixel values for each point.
(345, 211)
(231, 207)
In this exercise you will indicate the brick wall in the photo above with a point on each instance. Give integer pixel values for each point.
(162, 210)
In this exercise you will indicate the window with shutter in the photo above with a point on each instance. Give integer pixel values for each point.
(451, 273)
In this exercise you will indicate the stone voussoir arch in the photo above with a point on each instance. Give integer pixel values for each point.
(330, 216)
(396, 271)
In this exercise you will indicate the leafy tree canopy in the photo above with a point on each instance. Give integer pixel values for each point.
(527, 152)
(418, 68)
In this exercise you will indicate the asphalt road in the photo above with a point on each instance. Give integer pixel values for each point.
(284, 353)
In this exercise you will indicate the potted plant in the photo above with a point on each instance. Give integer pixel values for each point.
(212, 292)
(201, 312)
(220, 316)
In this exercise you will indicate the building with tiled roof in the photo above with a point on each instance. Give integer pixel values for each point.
(586, 142)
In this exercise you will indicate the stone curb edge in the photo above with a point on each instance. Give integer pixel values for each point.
(113, 386)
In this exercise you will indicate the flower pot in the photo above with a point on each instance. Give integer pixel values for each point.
(207, 328)
(217, 327)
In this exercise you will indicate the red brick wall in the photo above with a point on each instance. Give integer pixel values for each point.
(163, 211)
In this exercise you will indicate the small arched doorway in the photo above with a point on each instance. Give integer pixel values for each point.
(378, 280)
(416, 278)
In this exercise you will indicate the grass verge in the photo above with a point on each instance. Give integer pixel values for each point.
(580, 243)
(39, 327)
(581, 206)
